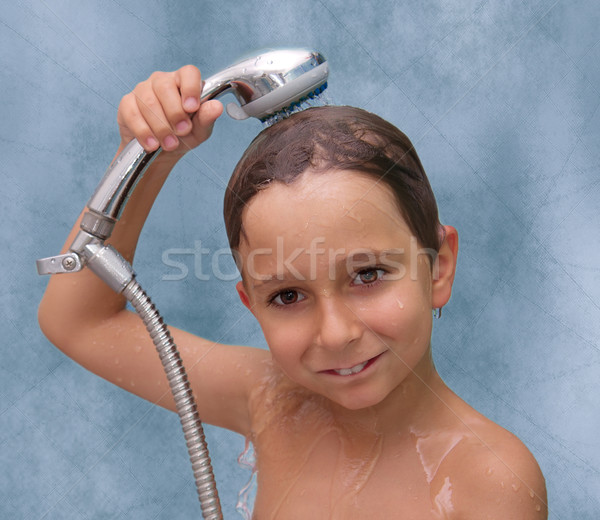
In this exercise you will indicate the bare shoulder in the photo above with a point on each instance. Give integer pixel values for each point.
(495, 476)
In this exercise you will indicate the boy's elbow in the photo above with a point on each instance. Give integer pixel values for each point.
(48, 320)
(56, 322)
(74, 304)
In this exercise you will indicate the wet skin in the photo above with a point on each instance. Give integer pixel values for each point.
(347, 414)
(351, 419)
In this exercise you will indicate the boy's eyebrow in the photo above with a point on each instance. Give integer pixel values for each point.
(369, 254)
(365, 257)
(273, 279)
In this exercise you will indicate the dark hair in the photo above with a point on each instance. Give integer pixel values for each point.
(338, 138)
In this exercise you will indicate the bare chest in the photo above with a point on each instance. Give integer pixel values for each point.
(323, 476)
(316, 464)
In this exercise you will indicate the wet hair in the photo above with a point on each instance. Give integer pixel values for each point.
(335, 138)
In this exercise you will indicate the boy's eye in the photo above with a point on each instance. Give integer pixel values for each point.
(368, 276)
(287, 297)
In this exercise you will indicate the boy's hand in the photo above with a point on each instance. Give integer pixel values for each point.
(158, 112)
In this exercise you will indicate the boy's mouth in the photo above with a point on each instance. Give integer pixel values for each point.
(355, 369)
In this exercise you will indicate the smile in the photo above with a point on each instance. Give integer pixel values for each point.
(356, 369)
(348, 371)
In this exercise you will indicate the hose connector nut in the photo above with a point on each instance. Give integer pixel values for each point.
(97, 225)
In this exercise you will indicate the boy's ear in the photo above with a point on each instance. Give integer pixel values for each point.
(445, 269)
(243, 295)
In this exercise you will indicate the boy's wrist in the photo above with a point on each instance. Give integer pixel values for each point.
(170, 158)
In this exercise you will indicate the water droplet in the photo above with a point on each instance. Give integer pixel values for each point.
(538, 507)
(489, 471)
(400, 304)
(531, 493)
(132, 383)
(516, 486)
(137, 348)
(119, 379)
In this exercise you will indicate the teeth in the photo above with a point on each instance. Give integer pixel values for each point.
(349, 371)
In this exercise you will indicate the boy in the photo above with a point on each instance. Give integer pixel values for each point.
(335, 231)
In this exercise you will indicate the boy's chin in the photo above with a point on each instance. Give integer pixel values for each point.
(353, 402)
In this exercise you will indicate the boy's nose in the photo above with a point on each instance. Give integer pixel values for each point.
(338, 325)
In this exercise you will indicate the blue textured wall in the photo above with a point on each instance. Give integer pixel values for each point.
(501, 100)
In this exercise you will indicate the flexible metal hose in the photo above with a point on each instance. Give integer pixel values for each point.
(184, 400)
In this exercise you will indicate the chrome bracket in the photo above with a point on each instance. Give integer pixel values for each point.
(67, 263)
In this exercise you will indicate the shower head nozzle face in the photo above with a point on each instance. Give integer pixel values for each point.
(270, 82)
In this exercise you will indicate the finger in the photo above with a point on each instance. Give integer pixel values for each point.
(205, 118)
(166, 89)
(133, 124)
(190, 86)
(152, 111)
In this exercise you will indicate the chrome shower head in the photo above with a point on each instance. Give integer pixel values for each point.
(270, 82)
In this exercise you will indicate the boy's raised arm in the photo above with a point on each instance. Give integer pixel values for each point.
(87, 320)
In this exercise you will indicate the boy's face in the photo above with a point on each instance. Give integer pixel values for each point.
(339, 285)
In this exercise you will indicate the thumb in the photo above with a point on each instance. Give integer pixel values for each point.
(205, 118)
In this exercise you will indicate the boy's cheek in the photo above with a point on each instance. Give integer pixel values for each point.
(403, 306)
(286, 343)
